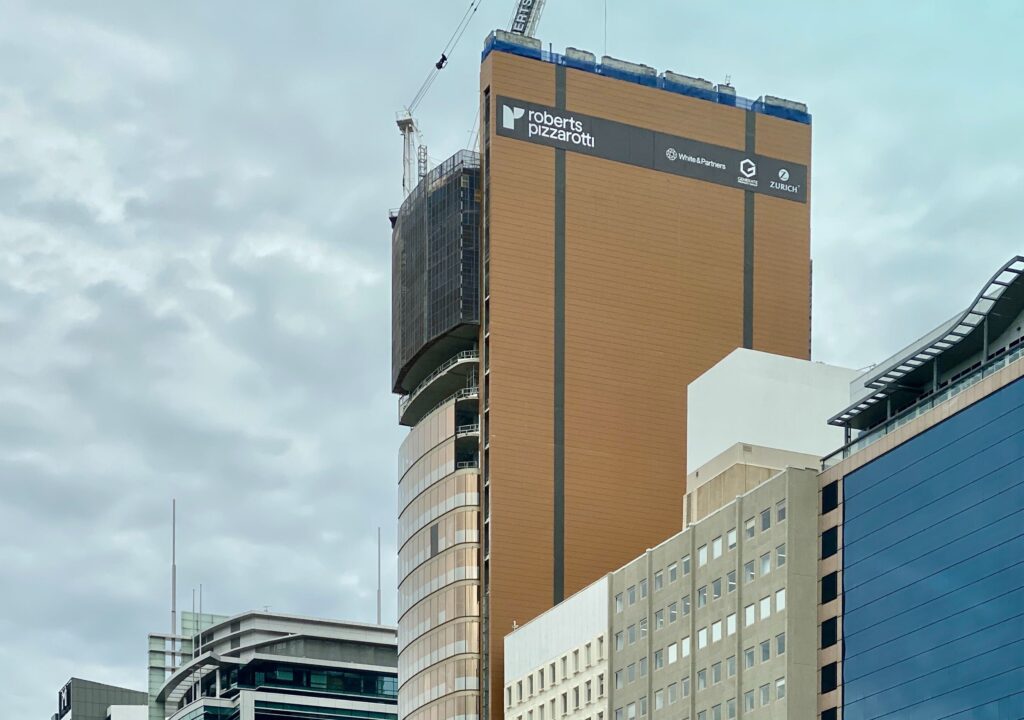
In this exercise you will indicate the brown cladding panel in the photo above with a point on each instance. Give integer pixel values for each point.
(654, 297)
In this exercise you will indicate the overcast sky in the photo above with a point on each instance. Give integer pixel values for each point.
(194, 268)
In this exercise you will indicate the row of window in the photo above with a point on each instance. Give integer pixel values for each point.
(673, 692)
(639, 591)
(535, 682)
(574, 699)
(713, 632)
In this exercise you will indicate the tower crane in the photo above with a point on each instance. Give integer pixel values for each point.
(524, 22)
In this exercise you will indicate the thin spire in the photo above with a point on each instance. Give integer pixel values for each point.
(174, 567)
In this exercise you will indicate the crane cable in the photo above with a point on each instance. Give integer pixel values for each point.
(446, 53)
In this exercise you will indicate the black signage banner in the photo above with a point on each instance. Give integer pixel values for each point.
(659, 151)
(64, 700)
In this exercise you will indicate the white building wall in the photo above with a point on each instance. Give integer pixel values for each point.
(767, 400)
(556, 665)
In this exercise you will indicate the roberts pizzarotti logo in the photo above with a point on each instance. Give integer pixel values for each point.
(509, 115)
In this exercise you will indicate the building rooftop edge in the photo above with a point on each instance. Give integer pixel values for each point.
(721, 94)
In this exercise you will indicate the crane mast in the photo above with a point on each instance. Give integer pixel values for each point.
(526, 17)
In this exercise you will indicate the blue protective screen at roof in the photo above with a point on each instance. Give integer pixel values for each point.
(494, 44)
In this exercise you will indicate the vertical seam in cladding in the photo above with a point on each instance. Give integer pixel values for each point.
(558, 476)
(748, 243)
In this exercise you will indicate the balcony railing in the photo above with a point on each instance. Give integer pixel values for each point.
(441, 370)
(467, 429)
(463, 464)
(947, 393)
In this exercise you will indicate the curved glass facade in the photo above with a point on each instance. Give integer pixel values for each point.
(439, 568)
(933, 571)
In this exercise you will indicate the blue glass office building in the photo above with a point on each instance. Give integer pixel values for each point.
(922, 529)
(933, 571)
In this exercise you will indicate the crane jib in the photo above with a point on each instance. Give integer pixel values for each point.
(524, 13)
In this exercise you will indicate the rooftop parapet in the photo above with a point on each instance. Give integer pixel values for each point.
(722, 94)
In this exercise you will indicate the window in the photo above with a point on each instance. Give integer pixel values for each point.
(684, 687)
(673, 693)
(780, 688)
(716, 547)
(631, 673)
(748, 571)
(659, 580)
(830, 714)
(748, 616)
(748, 658)
(730, 709)
(551, 674)
(589, 660)
(600, 647)
(529, 715)
(619, 680)
(766, 651)
(519, 691)
(684, 646)
(540, 678)
(576, 697)
(619, 643)
(631, 594)
(730, 624)
(766, 696)
(766, 607)
(716, 712)
(643, 666)
(716, 631)
(529, 685)
(643, 627)
(780, 644)
(702, 715)
(829, 587)
(643, 705)
(565, 703)
(673, 612)
(780, 555)
(766, 519)
(730, 581)
(830, 497)
(659, 659)
(702, 679)
(716, 588)
(631, 634)
(673, 653)
(748, 700)
(830, 542)
(829, 632)
(659, 699)
(730, 538)
(686, 565)
(716, 673)
(565, 668)
(702, 596)
(618, 603)
(686, 604)
(780, 510)
(780, 600)
(829, 678)
(748, 528)
(631, 711)
(659, 619)
(619, 714)
(576, 660)
(673, 572)
(702, 638)
(702, 556)
(600, 685)
(508, 696)
(643, 588)
(766, 564)
(730, 666)
(540, 712)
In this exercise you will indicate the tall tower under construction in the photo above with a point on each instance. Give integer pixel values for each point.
(620, 232)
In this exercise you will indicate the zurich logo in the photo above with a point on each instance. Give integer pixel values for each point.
(509, 115)
(671, 154)
(783, 174)
(748, 168)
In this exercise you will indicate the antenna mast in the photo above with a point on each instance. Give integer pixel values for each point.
(174, 567)
(378, 574)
